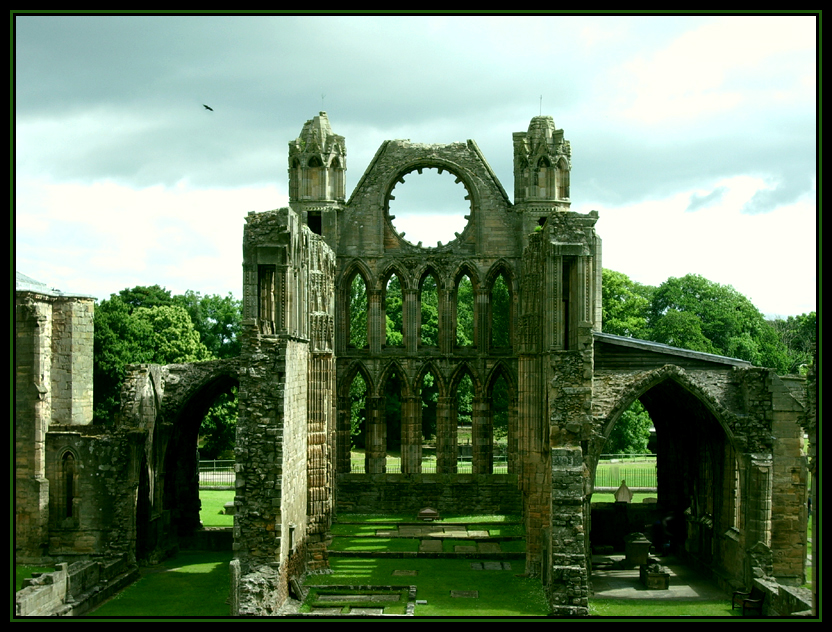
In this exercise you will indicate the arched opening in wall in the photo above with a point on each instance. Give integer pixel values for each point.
(689, 499)
(500, 314)
(429, 310)
(67, 492)
(393, 397)
(500, 403)
(465, 312)
(429, 400)
(430, 207)
(358, 307)
(463, 407)
(393, 319)
(358, 423)
(198, 476)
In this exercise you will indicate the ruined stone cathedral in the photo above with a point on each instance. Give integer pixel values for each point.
(729, 433)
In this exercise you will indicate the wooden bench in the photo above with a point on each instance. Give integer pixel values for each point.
(752, 600)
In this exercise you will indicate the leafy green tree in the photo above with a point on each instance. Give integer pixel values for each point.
(698, 314)
(500, 313)
(799, 335)
(358, 313)
(393, 312)
(465, 313)
(625, 305)
(217, 319)
(358, 411)
(430, 400)
(173, 338)
(118, 340)
(429, 301)
(631, 432)
(218, 430)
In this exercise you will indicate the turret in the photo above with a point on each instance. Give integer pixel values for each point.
(317, 184)
(542, 161)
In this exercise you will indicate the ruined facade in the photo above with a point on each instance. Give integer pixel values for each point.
(729, 460)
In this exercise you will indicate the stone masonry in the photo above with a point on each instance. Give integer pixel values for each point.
(730, 468)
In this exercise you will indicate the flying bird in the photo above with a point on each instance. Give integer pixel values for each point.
(207, 108)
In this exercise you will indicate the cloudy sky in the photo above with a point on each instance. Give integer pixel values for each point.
(694, 137)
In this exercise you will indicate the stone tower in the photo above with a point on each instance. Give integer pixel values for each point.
(317, 166)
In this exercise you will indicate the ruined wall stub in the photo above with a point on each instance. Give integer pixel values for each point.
(284, 488)
(53, 385)
(729, 461)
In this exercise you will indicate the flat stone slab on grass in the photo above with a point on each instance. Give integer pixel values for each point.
(477, 534)
(465, 548)
(430, 546)
(489, 547)
(359, 597)
(405, 573)
(493, 566)
(373, 612)
(326, 611)
(465, 594)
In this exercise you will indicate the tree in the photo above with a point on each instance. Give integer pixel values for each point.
(625, 305)
(358, 313)
(429, 303)
(218, 430)
(695, 313)
(631, 432)
(465, 313)
(217, 319)
(500, 313)
(173, 338)
(393, 312)
(799, 335)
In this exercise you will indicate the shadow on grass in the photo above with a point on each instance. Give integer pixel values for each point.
(193, 584)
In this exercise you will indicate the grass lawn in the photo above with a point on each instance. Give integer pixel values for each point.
(660, 608)
(193, 584)
(213, 506)
(500, 593)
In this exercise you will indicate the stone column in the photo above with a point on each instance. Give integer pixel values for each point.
(375, 454)
(376, 329)
(482, 329)
(343, 439)
(411, 435)
(757, 499)
(512, 436)
(447, 326)
(410, 319)
(445, 436)
(567, 569)
(482, 437)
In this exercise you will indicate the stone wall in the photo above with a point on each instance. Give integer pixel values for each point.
(53, 385)
(449, 493)
(286, 402)
(72, 590)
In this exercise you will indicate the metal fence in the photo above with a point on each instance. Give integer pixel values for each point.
(638, 470)
(394, 466)
(216, 473)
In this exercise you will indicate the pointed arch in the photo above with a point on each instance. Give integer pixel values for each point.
(429, 308)
(500, 318)
(354, 305)
(395, 285)
(466, 284)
